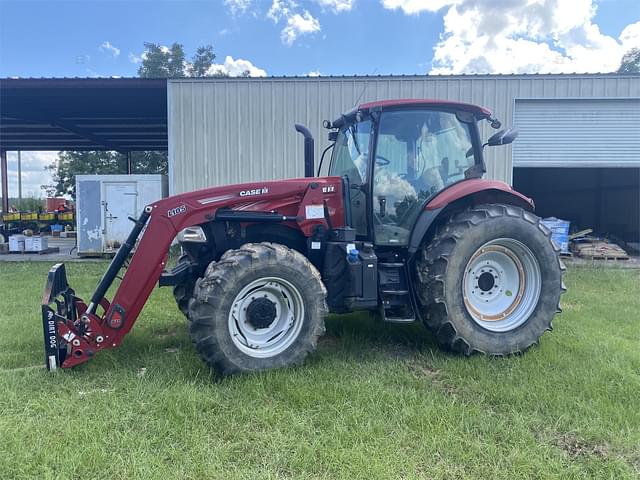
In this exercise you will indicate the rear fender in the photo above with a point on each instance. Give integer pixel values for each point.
(459, 196)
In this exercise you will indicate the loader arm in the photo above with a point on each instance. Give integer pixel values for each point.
(75, 331)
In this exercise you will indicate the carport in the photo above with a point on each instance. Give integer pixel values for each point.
(119, 114)
(579, 159)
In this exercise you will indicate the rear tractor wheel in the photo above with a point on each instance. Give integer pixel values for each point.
(490, 281)
(260, 307)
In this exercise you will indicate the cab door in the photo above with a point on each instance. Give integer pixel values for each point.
(419, 152)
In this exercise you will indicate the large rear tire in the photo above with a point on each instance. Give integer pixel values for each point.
(260, 307)
(490, 281)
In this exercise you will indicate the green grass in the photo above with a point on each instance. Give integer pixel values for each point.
(375, 401)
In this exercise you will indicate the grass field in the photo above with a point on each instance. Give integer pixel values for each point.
(375, 401)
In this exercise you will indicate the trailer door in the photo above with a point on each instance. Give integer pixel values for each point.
(120, 203)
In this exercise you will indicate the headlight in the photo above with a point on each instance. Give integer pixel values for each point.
(192, 234)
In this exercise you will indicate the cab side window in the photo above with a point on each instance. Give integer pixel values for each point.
(350, 159)
(352, 152)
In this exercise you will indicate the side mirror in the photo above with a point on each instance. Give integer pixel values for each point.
(503, 137)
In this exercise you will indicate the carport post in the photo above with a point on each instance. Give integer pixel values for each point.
(129, 164)
(19, 180)
(5, 181)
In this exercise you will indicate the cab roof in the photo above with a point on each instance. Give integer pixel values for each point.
(478, 111)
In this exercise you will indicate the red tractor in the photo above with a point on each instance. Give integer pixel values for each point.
(403, 224)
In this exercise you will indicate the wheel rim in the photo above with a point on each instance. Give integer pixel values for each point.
(501, 285)
(266, 317)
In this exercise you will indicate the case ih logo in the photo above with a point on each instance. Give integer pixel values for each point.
(255, 191)
(176, 211)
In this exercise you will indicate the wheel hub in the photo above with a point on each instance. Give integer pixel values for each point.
(261, 313)
(266, 317)
(487, 280)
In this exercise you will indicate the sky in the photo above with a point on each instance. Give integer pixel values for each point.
(89, 38)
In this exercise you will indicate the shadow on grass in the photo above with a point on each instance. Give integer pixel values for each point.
(360, 338)
(367, 329)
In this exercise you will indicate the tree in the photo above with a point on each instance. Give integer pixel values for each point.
(70, 164)
(162, 62)
(170, 62)
(202, 61)
(630, 62)
(176, 62)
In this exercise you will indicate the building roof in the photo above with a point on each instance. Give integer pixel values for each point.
(123, 114)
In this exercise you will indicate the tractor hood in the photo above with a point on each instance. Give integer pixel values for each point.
(299, 199)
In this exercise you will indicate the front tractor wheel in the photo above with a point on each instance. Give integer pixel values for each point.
(183, 292)
(260, 307)
(490, 281)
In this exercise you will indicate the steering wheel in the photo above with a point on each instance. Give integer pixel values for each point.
(382, 161)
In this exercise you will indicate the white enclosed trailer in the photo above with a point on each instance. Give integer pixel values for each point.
(104, 204)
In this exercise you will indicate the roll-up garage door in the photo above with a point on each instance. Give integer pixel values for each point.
(577, 133)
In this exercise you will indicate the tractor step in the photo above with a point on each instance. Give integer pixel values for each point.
(398, 319)
(393, 289)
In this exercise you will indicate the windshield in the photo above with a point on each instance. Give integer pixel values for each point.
(419, 152)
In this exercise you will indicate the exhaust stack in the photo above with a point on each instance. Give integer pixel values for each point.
(308, 149)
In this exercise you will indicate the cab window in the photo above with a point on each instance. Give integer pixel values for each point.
(350, 159)
(352, 152)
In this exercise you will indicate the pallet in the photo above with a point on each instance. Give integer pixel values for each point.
(599, 250)
(41, 252)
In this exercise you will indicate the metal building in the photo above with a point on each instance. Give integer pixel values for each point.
(578, 154)
(232, 130)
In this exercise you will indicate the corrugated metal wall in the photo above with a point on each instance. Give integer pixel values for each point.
(233, 130)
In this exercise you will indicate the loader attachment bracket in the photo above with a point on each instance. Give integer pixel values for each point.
(58, 292)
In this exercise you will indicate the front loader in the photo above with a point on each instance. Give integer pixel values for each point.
(402, 223)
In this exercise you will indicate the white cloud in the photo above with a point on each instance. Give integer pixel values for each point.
(314, 73)
(521, 36)
(337, 6)
(34, 173)
(630, 36)
(236, 68)
(133, 58)
(412, 7)
(238, 7)
(297, 25)
(281, 9)
(110, 49)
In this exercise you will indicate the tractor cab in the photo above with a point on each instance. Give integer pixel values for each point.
(394, 157)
